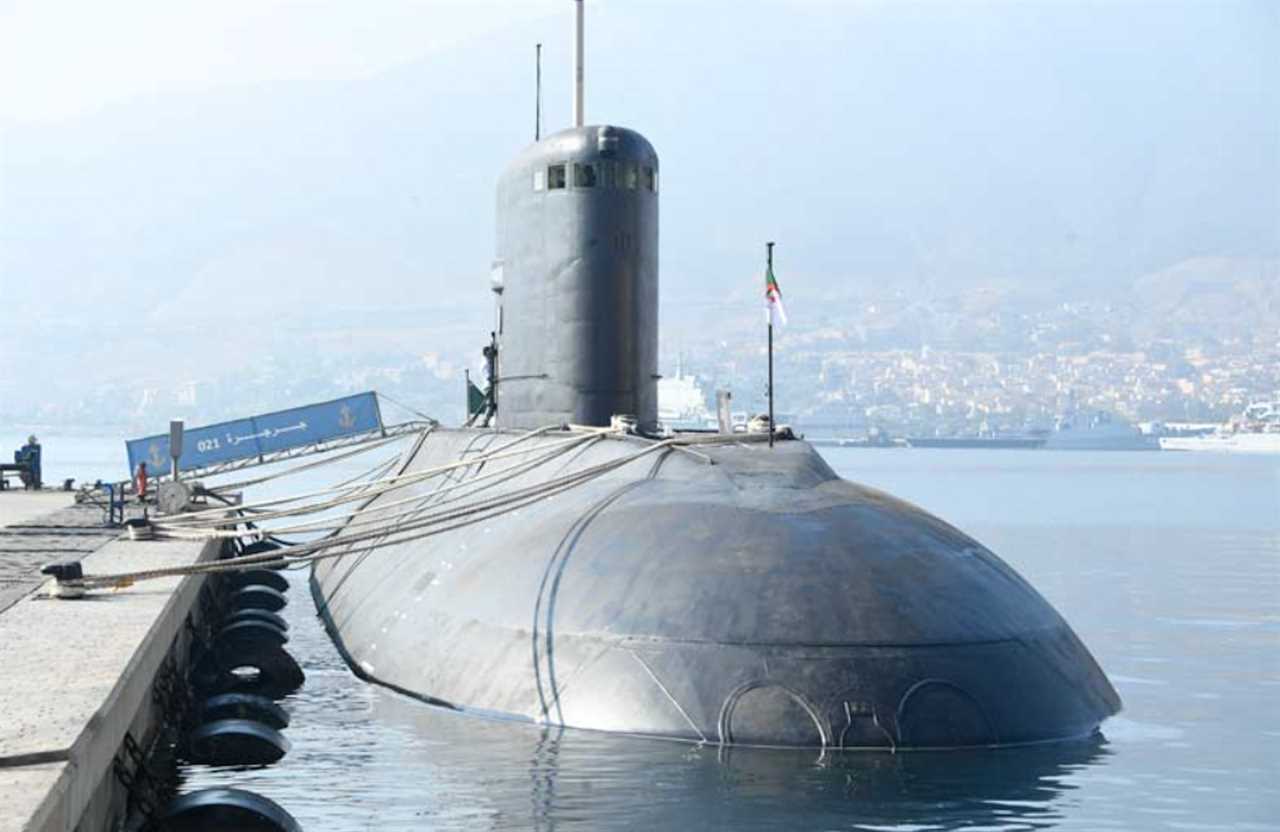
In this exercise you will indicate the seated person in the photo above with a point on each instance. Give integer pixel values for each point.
(29, 456)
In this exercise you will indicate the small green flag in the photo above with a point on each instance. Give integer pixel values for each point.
(476, 399)
(773, 298)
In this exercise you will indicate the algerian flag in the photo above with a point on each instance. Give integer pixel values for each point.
(773, 298)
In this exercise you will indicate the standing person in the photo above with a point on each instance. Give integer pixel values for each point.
(29, 455)
(140, 481)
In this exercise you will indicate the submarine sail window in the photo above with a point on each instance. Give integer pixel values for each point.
(630, 176)
(539, 180)
(609, 172)
(649, 178)
(584, 175)
(556, 178)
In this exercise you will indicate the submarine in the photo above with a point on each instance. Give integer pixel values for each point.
(712, 588)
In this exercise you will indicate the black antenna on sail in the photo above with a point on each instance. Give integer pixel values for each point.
(537, 96)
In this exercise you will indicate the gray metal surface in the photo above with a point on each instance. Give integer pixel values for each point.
(579, 275)
(759, 600)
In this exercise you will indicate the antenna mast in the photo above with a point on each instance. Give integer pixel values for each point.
(577, 65)
(537, 97)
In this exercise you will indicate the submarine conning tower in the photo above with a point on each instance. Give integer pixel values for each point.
(576, 275)
(740, 594)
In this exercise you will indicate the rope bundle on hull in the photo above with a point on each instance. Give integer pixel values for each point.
(374, 526)
(758, 600)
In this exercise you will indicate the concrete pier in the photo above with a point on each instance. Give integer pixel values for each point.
(77, 675)
(34, 524)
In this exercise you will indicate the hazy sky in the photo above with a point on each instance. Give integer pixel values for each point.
(62, 58)
(164, 160)
(204, 189)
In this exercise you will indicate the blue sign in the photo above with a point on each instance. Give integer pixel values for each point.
(259, 435)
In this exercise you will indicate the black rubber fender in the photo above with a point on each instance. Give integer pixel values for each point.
(259, 577)
(260, 547)
(243, 706)
(236, 742)
(246, 631)
(219, 810)
(248, 667)
(265, 616)
(258, 597)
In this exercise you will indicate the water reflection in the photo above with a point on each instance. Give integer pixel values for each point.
(1010, 788)
(582, 779)
(1195, 748)
(362, 752)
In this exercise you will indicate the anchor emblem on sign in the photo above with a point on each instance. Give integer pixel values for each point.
(346, 420)
(154, 459)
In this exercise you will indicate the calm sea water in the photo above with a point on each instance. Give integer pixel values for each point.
(1167, 565)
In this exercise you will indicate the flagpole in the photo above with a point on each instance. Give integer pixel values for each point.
(769, 250)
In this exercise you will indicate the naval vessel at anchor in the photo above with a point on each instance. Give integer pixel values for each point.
(713, 588)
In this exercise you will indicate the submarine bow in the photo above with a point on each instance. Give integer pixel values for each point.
(748, 597)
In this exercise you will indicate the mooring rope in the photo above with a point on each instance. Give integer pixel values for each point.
(306, 466)
(355, 492)
(445, 515)
(371, 515)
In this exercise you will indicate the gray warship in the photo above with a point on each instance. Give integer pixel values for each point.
(710, 588)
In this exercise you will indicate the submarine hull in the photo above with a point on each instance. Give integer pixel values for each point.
(736, 595)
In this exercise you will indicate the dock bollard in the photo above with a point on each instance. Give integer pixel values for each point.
(67, 577)
(139, 528)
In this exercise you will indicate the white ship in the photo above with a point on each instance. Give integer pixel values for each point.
(682, 405)
(1256, 431)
